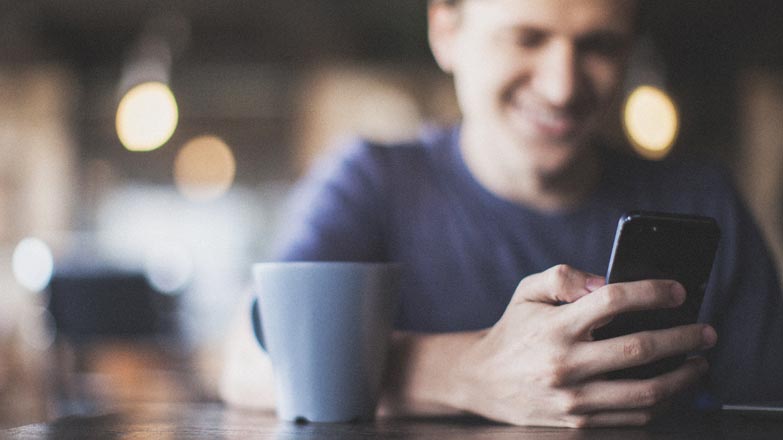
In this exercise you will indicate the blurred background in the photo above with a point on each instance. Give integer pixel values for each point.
(146, 148)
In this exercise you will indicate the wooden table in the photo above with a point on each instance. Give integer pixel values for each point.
(214, 421)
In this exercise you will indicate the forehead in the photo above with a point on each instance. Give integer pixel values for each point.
(566, 16)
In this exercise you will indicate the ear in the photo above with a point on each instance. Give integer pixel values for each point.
(443, 20)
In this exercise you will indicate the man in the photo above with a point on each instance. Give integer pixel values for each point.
(523, 190)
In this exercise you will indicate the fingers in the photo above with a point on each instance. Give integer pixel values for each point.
(559, 284)
(626, 402)
(564, 284)
(605, 303)
(590, 359)
(609, 419)
(624, 395)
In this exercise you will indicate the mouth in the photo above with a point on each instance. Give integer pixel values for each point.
(546, 122)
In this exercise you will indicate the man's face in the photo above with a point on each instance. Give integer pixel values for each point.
(535, 77)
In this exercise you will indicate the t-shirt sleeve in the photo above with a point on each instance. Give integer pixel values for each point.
(747, 362)
(336, 212)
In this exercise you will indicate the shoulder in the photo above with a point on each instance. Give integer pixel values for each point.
(365, 168)
(340, 211)
(371, 162)
(369, 153)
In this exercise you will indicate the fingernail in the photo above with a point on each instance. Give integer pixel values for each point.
(709, 337)
(678, 293)
(594, 283)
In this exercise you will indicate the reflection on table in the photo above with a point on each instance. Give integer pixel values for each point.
(144, 385)
(114, 340)
(210, 421)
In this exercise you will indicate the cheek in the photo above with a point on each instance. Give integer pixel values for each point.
(488, 62)
(492, 79)
(477, 86)
(469, 90)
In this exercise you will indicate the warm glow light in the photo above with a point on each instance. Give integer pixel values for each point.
(33, 264)
(204, 168)
(651, 121)
(147, 116)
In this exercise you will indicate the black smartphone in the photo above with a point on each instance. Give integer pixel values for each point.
(656, 245)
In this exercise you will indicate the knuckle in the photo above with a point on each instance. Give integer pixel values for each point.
(613, 297)
(578, 421)
(652, 287)
(645, 418)
(553, 379)
(562, 271)
(649, 396)
(523, 283)
(559, 276)
(638, 348)
(571, 402)
(556, 371)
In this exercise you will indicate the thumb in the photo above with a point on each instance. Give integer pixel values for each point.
(556, 285)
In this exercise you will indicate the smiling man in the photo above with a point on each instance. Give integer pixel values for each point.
(534, 80)
(523, 190)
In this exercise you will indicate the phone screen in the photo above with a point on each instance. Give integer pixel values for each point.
(652, 245)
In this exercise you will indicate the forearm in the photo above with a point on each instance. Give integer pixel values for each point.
(425, 374)
(247, 379)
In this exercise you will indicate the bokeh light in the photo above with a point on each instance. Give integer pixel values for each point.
(651, 121)
(37, 328)
(169, 267)
(33, 264)
(147, 116)
(204, 168)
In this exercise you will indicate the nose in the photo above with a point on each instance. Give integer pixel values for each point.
(556, 78)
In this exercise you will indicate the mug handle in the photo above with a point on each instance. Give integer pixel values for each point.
(255, 318)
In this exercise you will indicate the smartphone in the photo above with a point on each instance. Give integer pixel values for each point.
(656, 245)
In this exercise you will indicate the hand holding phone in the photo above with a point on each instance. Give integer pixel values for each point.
(653, 245)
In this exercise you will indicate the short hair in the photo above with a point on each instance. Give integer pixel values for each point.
(641, 21)
(447, 2)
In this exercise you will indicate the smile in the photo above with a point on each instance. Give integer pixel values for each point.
(546, 122)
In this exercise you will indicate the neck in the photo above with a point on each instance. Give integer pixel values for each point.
(522, 180)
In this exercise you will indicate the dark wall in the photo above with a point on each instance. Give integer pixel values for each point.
(705, 43)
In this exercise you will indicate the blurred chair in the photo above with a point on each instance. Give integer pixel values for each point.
(90, 304)
(108, 320)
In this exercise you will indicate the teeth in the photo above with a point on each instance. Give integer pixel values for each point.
(545, 115)
(550, 117)
(556, 120)
(553, 119)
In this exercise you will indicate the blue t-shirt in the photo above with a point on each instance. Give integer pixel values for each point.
(465, 249)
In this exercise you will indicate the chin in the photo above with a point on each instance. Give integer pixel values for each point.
(554, 159)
